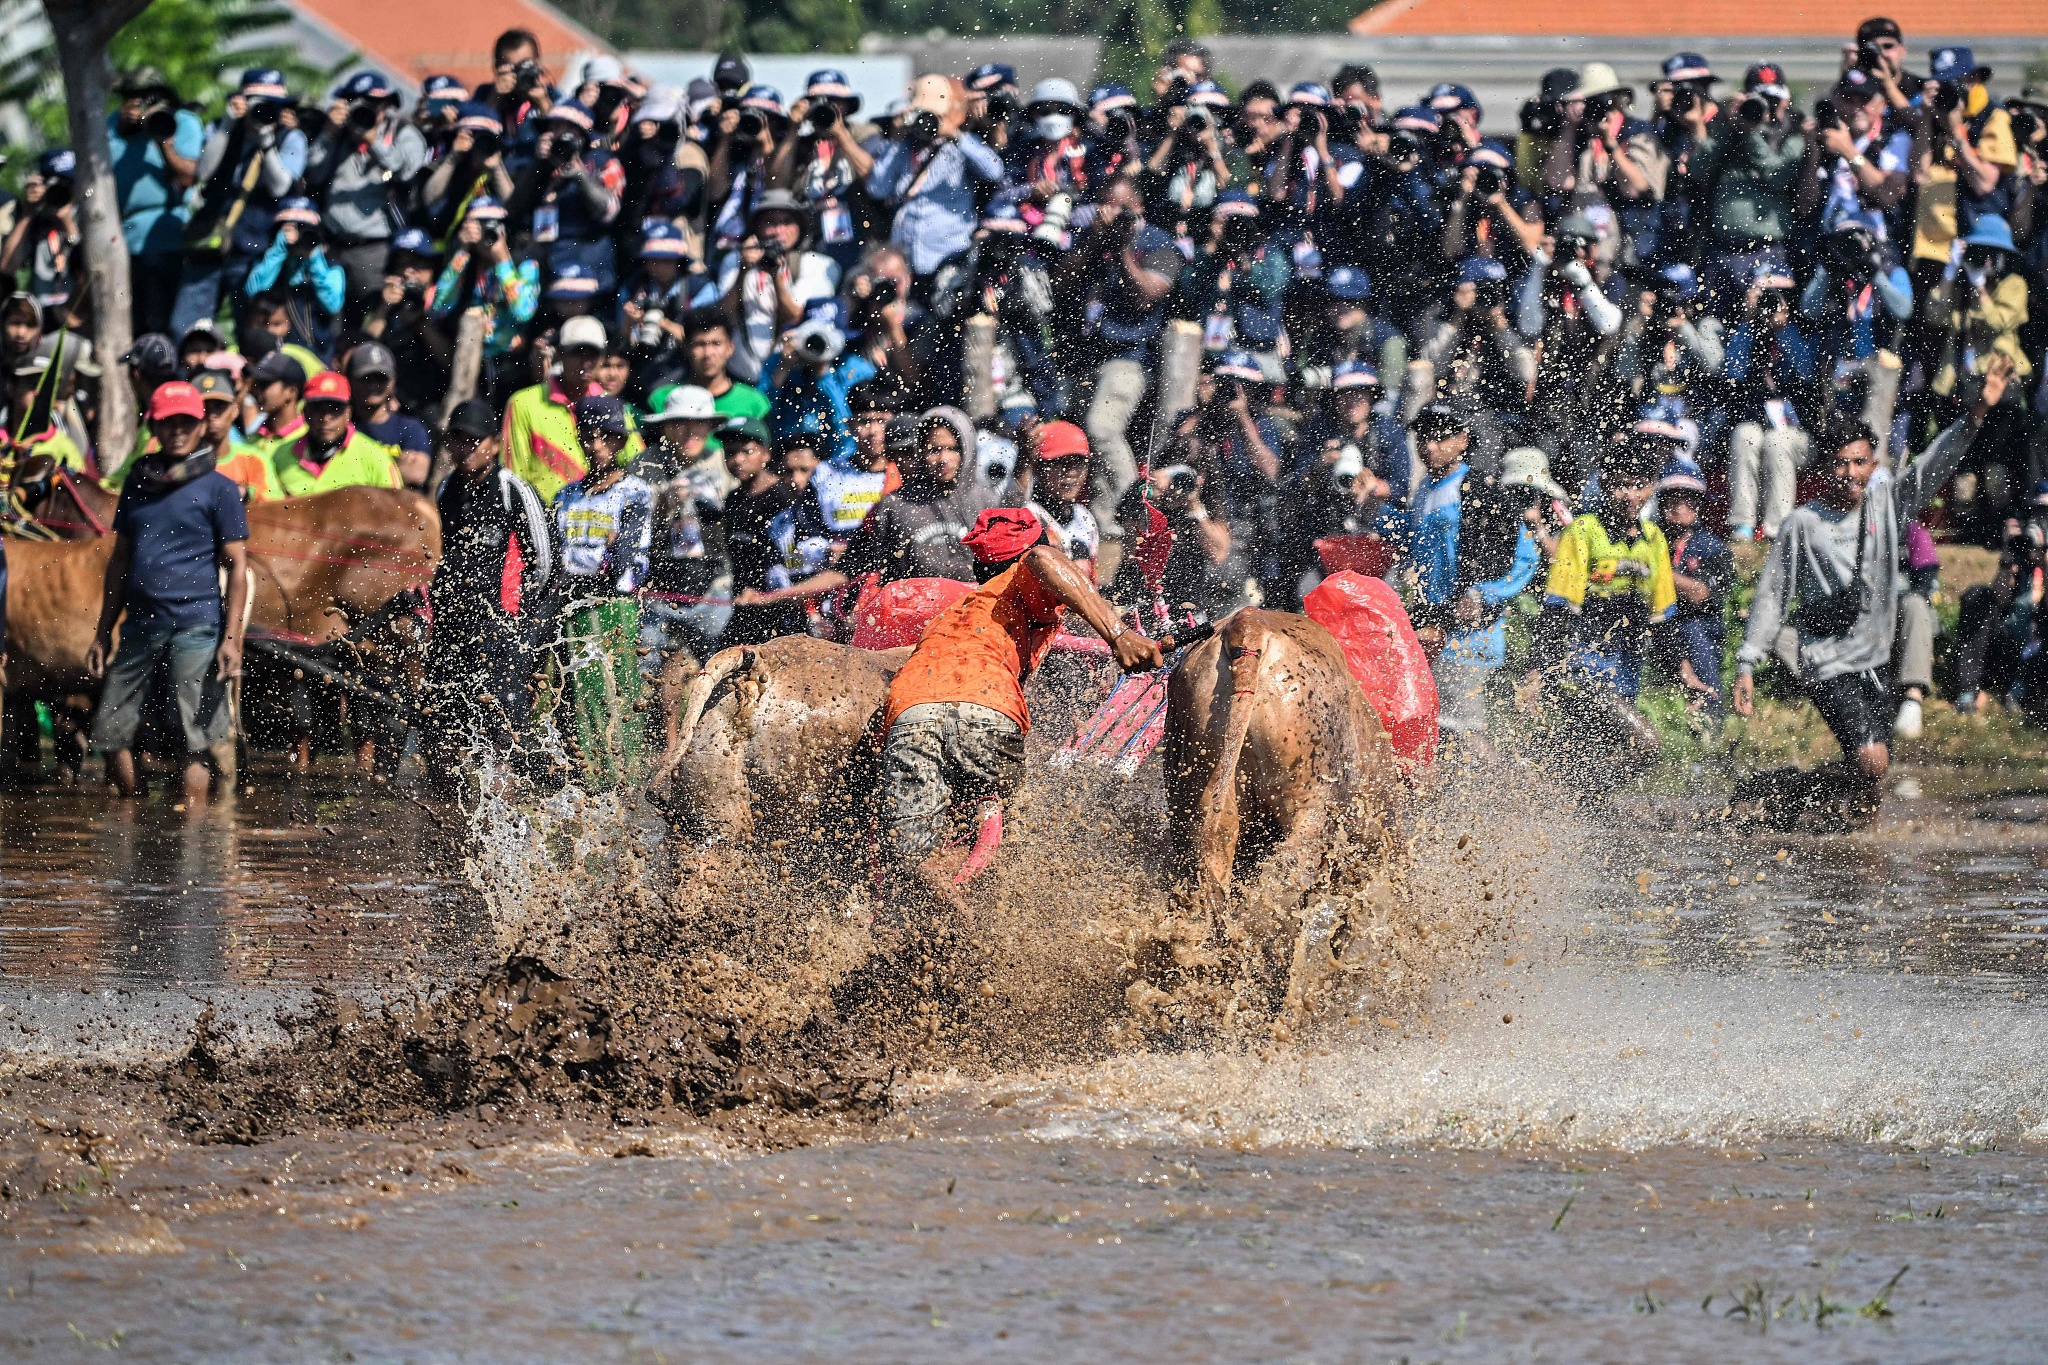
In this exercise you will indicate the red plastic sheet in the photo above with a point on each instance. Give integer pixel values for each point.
(1380, 647)
(1365, 554)
(898, 613)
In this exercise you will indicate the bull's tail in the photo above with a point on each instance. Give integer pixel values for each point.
(725, 664)
(1244, 677)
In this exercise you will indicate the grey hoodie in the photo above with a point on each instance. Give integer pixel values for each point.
(1815, 555)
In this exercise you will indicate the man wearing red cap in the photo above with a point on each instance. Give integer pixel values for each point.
(179, 522)
(956, 716)
(330, 453)
(1059, 479)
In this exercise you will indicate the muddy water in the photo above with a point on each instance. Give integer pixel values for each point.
(1704, 1102)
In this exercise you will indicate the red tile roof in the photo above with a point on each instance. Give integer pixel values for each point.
(1701, 18)
(414, 39)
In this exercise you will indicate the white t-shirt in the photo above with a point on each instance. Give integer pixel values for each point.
(811, 277)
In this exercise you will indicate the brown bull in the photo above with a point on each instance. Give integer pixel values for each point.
(771, 736)
(1272, 752)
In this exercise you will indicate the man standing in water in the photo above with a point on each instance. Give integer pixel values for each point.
(956, 718)
(1836, 561)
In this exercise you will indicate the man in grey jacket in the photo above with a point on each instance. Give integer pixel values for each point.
(1834, 573)
(360, 168)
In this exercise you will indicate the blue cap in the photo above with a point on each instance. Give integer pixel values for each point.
(1490, 154)
(1681, 476)
(1151, 238)
(828, 81)
(366, 85)
(572, 281)
(1688, 66)
(762, 97)
(479, 117)
(1481, 270)
(297, 209)
(1957, 65)
(1110, 97)
(1447, 97)
(416, 241)
(443, 90)
(990, 76)
(1354, 374)
(827, 310)
(1680, 276)
(263, 83)
(1416, 119)
(1309, 92)
(1990, 230)
(485, 209)
(1239, 365)
(662, 240)
(1209, 94)
(1349, 283)
(606, 414)
(59, 163)
(1234, 204)
(571, 112)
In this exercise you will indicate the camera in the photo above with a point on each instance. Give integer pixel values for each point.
(489, 232)
(1002, 107)
(160, 122)
(1182, 482)
(1946, 96)
(921, 126)
(1826, 114)
(1541, 118)
(1684, 98)
(1868, 58)
(527, 75)
(565, 146)
(483, 145)
(1488, 182)
(606, 106)
(751, 126)
(1774, 301)
(818, 342)
(1118, 126)
(1198, 119)
(882, 292)
(821, 115)
(1052, 229)
(363, 114)
(1404, 146)
(264, 113)
(1176, 92)
(2026, 127)
(1752, 110)
(648, 335)
(1599, 107)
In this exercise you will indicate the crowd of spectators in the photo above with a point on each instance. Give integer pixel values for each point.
(706, 357)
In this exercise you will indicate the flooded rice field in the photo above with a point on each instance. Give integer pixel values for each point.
(1677, 1093)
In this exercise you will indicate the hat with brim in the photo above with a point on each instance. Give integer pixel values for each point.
(144, 80)
(1239, 365)
(1990, 230)
(776, 201)
(1529, 467)
(684, 403)
(1597, 78)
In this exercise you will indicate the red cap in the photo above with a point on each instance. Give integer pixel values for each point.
(329, 386)
(176, 399)
(1061, 440)
(1002, 534)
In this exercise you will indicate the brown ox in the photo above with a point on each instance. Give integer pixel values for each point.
(772, 736)
(1272, 751)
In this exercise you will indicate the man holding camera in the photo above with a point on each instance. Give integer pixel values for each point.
(1609, 166)
(1752, 160)
(251, 160)
(569, 197)
(929, 174)
(362, 165)
(155, 146)
(825, 167)
(1836, 560)
(1862, 169)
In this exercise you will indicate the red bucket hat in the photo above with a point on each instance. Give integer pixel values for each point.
(1002, 534)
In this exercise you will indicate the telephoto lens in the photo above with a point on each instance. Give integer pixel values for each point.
(160, 123)
(823, 114)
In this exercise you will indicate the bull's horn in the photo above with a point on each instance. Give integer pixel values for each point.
(717, 669)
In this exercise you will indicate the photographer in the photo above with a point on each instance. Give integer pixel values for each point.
(155, 146)
(1542, 122)
(518, 89)
(1837, 560)
(749, 132)
(1237, 282)
(249, 164)
(1670, 350)
(438, 111)
(2002, 625)
(1752, 160)
(361, 167)
(1610, 167)
(1203, 567)
(1252, 453)
(1483, 367)
(1685, 106)
(769, 282)
(1576, 328)
(1403, 212)
(929, 175)
(297, 266)
(1194, 163)
(1775, 396)
(1010, 283)
(1986, 306)
(1051, 159)
(569, 198)
(994, 112)
(1483, 208)
(1866, 182)
(1363, 460)
(653, 304)
(665, 173)
(1114, 148)
(481, 273)
(400, 320)
(473, 169)
(1856, 300)
(825, 166)
(1120, 272)
(1309, 171)
(808, 379)
(45, 237)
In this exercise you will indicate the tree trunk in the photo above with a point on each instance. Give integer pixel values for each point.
(82, 29)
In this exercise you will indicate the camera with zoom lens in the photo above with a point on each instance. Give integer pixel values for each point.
(648, 336)
(565, 147)
(1684, 98)
(1197, 120)
(1868, 58)
(921, 126)
(1752, 110)
(882, 292)
(1599, 107)
(1947, 95)
(1002, 107)
(1404, 146)
(490, 232)
(264, 113)
(750, 127)
(818, 342)
(1826, 114)
(1119, 126)
(821, 114)
(363, 114)
(1541, 118)
(2026, 127)
(527, 75)
(1488, 181)
(161, 122)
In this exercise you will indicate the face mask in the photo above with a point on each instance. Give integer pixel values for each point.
(1053, 127)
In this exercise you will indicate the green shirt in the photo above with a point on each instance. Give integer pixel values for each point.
(741, 400)
(361, 462)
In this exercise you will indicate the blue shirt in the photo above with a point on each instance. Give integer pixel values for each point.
(176, 534)
(934, 194)
(152, 205)
(1434, 518)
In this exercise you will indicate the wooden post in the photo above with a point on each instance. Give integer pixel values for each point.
(1180, 370)
(978, 358)
(468, 362)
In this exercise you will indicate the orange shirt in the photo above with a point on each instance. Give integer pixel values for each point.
(981, 648)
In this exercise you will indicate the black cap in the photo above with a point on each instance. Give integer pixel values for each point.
(601, 414)
(278, 368)
(473, 418)
(1438, 419)
(732, 73)
(154, 354)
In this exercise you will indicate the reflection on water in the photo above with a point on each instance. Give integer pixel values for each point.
(297, 884)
